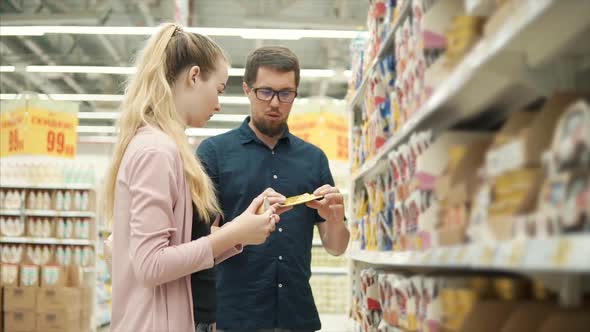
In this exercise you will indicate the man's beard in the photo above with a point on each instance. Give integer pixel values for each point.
(269, 130)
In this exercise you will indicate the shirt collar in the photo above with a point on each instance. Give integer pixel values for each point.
(247, 135)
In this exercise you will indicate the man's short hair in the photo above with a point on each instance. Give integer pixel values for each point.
(278, 58)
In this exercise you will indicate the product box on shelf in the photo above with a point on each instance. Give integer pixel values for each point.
(526, 136)
(20, 321)
(10, 274)
(29, 275)
(62, 320)
(53, 276)
(20, 298)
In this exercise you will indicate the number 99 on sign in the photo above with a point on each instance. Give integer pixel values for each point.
(56, 144)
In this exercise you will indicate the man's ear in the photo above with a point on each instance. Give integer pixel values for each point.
(246, 88)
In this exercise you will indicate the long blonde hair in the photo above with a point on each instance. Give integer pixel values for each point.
(149, 101)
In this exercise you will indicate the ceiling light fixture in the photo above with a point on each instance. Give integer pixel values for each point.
(7, 69)
(280, 34)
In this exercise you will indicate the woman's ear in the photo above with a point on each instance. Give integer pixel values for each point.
(194, 75)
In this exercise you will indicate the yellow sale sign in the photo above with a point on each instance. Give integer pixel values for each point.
(327, 130)
(38, 127)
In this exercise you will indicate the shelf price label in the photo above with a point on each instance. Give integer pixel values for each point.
(563, 249)
(38, 127)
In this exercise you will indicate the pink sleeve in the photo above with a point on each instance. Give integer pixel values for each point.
(154, 191)
(230, 252)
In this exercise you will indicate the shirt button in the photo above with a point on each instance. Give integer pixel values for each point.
(273, 152)
(280, 230)
(280, 258)
(280, 285)
(275, 177)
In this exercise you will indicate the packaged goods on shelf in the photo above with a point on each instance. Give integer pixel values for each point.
(32, 173)
(453, 303)
(477, 187)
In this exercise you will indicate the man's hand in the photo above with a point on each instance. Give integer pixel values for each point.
(273, 198)
(331, 207)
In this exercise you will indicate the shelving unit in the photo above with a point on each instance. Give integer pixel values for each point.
(486, 78)
(530, 52)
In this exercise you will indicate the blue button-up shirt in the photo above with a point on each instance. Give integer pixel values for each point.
(267, 286)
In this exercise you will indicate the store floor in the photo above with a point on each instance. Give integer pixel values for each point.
(330, 323)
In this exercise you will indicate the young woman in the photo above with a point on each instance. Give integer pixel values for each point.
(155, 179)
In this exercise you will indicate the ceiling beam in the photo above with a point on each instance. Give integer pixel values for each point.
(145, 12)
(71, 18)
(44, 86)
(46, 59)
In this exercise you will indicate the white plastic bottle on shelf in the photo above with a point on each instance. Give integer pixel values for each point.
(67, 201)
(60, 231)
(2, 196)
(31, 200)
(39, 201)
(46, 201)
(77, 200)
(11, 227)
(86, 228)
(46, 228)
(69, 229)
(78, 256)
(46, 255)
(2, 226)
(77, 228)
(84, 203)
(60, 255)
(68, 255)
(59, 200)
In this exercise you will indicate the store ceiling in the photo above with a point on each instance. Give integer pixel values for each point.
(66, 49)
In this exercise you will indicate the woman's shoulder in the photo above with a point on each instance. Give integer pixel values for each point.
(153, 141)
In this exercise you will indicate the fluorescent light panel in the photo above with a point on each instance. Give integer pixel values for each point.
(281, 34)
(7, 69)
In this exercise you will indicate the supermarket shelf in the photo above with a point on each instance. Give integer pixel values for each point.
(487, 78)
(72, 186)
(329, 270)
(386, 47)
(31, 240)
(54, 213)
(564, 254)
(14, 213)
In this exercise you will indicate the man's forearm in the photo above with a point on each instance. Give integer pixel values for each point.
(336, 237)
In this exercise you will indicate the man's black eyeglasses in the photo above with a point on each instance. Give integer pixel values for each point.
(267, 94)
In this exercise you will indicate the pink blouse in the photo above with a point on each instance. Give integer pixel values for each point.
(152, 252)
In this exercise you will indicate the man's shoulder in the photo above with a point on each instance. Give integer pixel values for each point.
(306, 146)
(221, 140)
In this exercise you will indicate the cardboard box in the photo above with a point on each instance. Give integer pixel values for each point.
(526, 136)
(9, 275)
(85, 320)
(528, 316)
(452, 236)
(85, 298)
(59, 320)
(20, 321)
(488, 316)
(567, 320)
(58, 298)
(20, 298)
